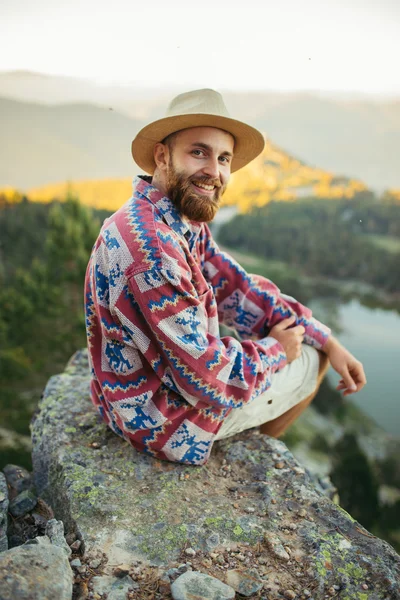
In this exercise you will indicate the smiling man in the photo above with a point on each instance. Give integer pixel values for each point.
(157, 287)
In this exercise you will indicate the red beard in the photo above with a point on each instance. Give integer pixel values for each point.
(193, 205)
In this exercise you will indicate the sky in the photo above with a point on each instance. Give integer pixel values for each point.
(285, 45)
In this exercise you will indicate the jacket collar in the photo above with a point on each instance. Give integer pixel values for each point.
(143, 188)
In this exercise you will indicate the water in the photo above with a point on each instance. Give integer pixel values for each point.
(373, 336)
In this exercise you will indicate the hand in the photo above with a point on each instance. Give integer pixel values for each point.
(344, 363)
(290, 337)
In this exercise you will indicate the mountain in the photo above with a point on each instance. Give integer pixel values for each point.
(43, 144)
(274, 175)
(354, 136)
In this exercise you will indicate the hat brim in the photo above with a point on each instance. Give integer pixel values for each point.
(249, 142)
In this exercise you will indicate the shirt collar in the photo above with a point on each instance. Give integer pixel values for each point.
(143, 187)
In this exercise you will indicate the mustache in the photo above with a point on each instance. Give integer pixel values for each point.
(207, 181)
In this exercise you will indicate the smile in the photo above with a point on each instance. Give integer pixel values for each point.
(204, 187)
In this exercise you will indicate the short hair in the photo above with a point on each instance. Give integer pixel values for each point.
(170, 139)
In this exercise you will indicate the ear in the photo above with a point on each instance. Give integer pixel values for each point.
(161, 156)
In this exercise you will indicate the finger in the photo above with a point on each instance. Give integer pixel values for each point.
(351, 387)
(285, 323)
(298, 330)
(358, 375)
(341, 386)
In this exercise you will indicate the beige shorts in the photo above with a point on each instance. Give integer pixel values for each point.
(291, 385)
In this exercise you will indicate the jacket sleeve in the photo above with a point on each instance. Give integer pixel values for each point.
(252, 304)
(183, 343)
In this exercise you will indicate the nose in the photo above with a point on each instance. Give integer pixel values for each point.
(211, 169)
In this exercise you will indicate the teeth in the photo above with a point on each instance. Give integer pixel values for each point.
(209, 188)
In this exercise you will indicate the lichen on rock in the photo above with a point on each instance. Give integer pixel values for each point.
(250, 500)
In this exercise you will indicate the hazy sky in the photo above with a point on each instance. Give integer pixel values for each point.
(238, 44)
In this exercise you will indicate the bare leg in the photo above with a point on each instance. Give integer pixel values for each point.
(278, 426)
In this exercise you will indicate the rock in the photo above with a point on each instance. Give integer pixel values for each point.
(75, 546)
(55, 531)
(246, 582)
(115, 587)
(35, 572)
(18, 478)
(174, 573)
(3, 513)
(121, 571)
(198, 586)
(95, 563)
(23, 503)
(75, 563)
(108, 497)
(275, 545)
(289, 594)
(190, 552)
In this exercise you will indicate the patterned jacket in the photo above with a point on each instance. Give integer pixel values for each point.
(156, 289)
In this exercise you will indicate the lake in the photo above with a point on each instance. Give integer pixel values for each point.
(373, 336)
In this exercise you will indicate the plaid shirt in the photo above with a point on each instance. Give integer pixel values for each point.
(156, 289)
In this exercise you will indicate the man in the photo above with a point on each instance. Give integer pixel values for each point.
(157, 287)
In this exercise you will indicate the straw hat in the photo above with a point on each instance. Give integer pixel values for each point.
(200, 108)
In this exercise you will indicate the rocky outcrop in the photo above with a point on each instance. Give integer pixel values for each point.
(38, 571)
(252, 517)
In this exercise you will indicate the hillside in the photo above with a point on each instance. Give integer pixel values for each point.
(274, 175)
(277, 175)
(42, 144)
(357, 136)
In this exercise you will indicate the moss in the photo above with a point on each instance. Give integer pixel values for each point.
(213, 520)
(238, 530)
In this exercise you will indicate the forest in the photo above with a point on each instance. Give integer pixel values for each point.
(356, 239)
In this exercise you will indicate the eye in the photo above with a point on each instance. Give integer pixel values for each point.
(198, 152)
(225, 159)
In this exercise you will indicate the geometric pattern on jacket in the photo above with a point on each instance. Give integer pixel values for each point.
(156, 289)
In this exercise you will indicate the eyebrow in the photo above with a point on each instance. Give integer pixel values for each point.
(209, 148)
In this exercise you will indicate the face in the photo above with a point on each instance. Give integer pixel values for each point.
(198, 170)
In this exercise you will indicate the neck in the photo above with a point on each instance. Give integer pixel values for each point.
(159, 183)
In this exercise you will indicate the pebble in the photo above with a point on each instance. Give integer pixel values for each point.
(279, 513)
(194, 584)
(273, 501)
(23, 503)
(75, 563)
(246, 582)
(95, 563)
(302, 513)
(121, 571)
(279, 465)
(306, 593)
(299, 470)
(250, 509)
(76, 545)
(55, 531)
(190, 552)
(276, 546)
(289, 594)
(18, 478)
(332, 591)
(364, 586)
(293, 526)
